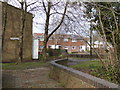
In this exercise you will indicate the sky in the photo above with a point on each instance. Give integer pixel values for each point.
(39, 17)
(37, 28)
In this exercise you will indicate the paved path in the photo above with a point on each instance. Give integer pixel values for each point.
(29, 78)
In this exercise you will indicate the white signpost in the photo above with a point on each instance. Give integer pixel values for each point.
(35, 49)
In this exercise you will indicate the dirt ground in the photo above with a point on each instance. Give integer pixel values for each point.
(29, 78)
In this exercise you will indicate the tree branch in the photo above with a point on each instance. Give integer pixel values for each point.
(31, 3)
(60, 21)
(44, 7)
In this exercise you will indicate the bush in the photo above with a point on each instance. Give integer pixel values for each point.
(54, 52)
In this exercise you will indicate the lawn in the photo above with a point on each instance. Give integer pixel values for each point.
(24, 65)
(95, 68)
(93, 64)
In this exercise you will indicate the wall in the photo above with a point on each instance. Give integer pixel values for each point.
(72, 78)
(69, 44)
(68, 80)
(59, 40)
(0, 31)
(0, 45)
(35, 49)
(11, 47)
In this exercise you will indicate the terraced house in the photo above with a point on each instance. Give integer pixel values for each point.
(72, 43)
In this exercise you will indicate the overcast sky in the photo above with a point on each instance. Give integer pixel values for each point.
(39, 18)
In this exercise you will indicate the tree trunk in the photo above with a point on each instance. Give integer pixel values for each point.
(91, 43)
(4, 25)
(22, 27)
(20, 56)
(46, 31)
(118, 51)
(45, 47)
(118, 63)
(46, 36)
(44, 58)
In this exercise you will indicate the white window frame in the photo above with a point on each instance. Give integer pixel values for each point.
(41, 38)
(65, 40)
(80, 47)
(74, 40)
(66, 47)
(74, 47)
(41, 46)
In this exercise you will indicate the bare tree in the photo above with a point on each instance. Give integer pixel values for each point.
(107, 26)
(48, 13)
(113, 53)
(80, 25)
(24, 7)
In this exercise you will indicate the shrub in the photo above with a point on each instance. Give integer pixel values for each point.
(54, 52)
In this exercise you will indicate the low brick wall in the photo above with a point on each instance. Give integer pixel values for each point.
(71, 78)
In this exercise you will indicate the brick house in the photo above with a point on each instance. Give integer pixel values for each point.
(9, 38)
(71, 43)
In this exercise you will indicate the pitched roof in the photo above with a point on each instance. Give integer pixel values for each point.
(69, 36)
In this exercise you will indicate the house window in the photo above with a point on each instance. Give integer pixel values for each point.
(65, 39)
(41, 38)
(49, 46)
(80, 47)
(66, 47)
(41, 47)
(81, 40)
(74, 40)
(73, 47)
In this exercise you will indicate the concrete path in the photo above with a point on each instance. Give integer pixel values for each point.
(29, 78)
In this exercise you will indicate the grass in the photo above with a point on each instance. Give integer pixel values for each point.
(24, 65)
(94, 64)
(90, 67)
(78, 58)
(95, 68)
